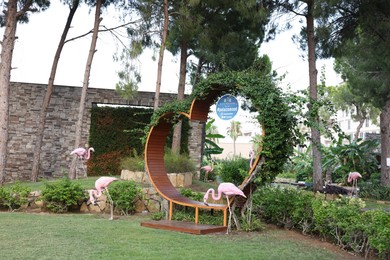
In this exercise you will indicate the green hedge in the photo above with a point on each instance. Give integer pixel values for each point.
(118, 129)
(114, 133)
(343, 221)
(119, 132)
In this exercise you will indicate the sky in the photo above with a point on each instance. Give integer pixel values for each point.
(37, 42)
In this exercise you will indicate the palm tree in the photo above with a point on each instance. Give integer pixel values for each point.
(234, 131)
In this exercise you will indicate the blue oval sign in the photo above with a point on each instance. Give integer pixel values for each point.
(227, 107)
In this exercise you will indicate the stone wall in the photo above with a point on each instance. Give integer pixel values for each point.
(196, 146)
(58, 141)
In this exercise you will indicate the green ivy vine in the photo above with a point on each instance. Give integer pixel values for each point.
(262, 95)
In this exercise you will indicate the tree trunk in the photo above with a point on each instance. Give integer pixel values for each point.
(180, 95)
(92, 50)
(49, 92)
(198, 71)
(385, 143)
(315, 133)
(7, 49)
(161, 56)
(360, 125)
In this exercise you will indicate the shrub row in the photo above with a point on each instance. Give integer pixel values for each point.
(63, 195)
(343, 221)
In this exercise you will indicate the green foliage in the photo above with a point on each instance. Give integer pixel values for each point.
(114, 133)
(133, 163)
(118, 129)
(198, 196)
(125, 194)
(284, 207)
(258, 86)
(357, 155)
(343, 220)
(303, 165)
(60, 195)
(211, 147)
(235, 170)
(374, 190)
(250, 223)
(377, 230)
(14, 196)
(205, 216)
(158, 215)
(177, 163)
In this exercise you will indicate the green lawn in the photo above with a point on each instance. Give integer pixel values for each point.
(82, 236)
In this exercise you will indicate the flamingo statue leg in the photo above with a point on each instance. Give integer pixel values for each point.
(230, 216)
(81, 160)
(111, 204)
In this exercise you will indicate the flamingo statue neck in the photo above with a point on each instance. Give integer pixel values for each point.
(94, 194)
(89, 153)
(218, 197)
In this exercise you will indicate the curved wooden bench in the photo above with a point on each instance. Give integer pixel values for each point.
(154, 158)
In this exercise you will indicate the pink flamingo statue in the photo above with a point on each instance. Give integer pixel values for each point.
(228, 189)
(82, 154)
(207, 169)
(102, 184)
(353, 177)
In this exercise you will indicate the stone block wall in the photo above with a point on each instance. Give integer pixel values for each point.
(59, 136)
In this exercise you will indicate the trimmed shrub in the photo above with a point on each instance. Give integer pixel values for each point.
(284, 207)
(125, 194)
(60, 195)
(343, 221)
(14, 197)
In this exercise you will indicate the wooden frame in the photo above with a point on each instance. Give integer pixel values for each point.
(154, 157)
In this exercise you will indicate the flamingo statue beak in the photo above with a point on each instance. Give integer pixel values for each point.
(205, 201)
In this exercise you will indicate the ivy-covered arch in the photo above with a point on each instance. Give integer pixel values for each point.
(262, 95)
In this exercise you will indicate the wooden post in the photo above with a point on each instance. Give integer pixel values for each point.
(225, 217)
(196, 215)
(170, 210)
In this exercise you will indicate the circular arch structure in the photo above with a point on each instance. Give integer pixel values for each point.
(154, 155)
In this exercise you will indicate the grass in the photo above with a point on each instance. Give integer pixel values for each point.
(77, 236)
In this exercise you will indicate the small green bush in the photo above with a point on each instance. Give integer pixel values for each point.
(377, 230)
(287, 207)
(205, 216)
(135, 164)
(198, 196)
(252, 223)
(372, 190)
(60, 195)
(14, 196)
(158, 215)
(235, 170)
(125, 194)
(178, 163)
